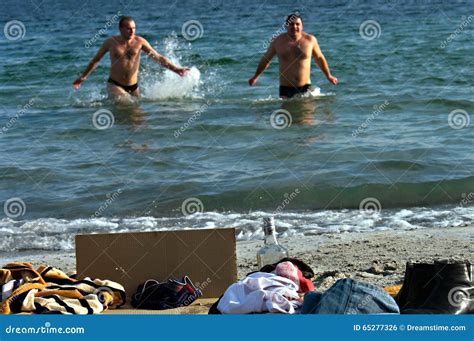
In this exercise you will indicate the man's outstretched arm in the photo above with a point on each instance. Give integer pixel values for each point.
(264, 63)
(322, 63)
(92, 65)
(162, 60)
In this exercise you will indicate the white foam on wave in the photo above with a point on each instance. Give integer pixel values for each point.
(58, 234)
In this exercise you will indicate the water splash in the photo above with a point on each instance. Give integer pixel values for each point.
(167, 84)
(170, 85)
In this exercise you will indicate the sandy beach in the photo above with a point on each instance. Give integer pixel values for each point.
(374, 257)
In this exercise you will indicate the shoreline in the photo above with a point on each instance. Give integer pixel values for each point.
(375, 257)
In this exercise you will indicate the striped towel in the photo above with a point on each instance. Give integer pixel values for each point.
(48, 290)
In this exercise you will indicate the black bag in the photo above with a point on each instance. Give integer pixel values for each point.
(167, 295)
(438, 288)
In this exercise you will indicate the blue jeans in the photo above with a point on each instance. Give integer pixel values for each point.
(348, 296)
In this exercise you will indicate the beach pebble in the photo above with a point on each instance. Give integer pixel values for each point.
(376, 268)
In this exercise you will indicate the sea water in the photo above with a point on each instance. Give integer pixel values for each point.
(390, 147)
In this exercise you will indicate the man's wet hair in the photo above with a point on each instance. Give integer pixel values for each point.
(125, 18)
(292, 17)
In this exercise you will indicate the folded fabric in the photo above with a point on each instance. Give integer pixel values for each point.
(348, 296)
(19, 270)
(260, 292)
(50, 291)
(167, 295)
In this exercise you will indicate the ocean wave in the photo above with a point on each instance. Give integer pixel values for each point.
(58, 234)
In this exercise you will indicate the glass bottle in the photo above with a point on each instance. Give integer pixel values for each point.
(271, 252)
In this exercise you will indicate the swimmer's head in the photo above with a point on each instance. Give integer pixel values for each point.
(294, 23)
(127, 27)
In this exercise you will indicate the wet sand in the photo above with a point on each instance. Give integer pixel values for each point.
(374, 257)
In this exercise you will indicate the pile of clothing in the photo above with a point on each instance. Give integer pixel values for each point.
(275, 288)
(47, 290)
(173, 293)
(286, 287)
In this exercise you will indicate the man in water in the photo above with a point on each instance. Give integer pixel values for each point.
(125, 52)
(294, 50)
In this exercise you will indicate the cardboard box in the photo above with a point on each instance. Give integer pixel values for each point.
(207, 256)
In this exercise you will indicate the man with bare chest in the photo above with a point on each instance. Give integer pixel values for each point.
(125, 51)
(294, 50)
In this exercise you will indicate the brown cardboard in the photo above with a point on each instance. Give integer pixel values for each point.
(199, 307)
(207, 256)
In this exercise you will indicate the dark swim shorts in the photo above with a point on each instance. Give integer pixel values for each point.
(290, 91)
(127, 88)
